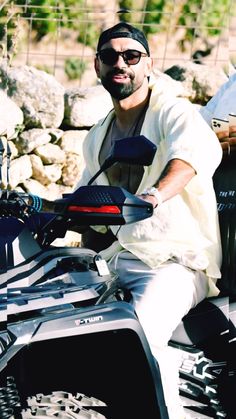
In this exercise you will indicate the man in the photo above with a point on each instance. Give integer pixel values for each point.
(171, 261)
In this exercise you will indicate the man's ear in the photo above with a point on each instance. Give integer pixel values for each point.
(149, 66)
(96, 66)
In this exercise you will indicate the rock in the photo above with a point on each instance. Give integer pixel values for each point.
(55, 134)
(52, 173)
(50, 192)
(200, 81)
(72, 169)
(84, 107)
(45, 174)
(38, 94)
(13, 149)
(32, 138)
(11, 116)
(167, 84)
(35, 187)
(72, 141)
(20, 170)
(55, 191)
(51, 153)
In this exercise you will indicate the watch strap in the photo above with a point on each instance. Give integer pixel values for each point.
(154, 192)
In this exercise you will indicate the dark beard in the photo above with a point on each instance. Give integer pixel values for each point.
(117, 91)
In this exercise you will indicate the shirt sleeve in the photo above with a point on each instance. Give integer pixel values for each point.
(222, 102)
(186, 136)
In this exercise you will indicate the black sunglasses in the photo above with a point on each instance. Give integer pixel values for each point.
(109, 56)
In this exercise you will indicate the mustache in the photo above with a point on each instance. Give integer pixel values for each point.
(120, 71)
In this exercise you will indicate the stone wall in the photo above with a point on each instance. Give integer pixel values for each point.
(45, 124)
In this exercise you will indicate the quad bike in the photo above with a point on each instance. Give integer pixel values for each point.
(207, 334)
(68, 330)
(66, 327)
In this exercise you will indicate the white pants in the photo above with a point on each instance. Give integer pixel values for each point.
(161, 298)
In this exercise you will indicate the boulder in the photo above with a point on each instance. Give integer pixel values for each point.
(84, 107)
(200, 82)
(30, 139)
(39, 95)
(51, 153)
(11, 116)
(20, 170)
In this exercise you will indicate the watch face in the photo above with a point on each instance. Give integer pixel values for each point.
(152, 190)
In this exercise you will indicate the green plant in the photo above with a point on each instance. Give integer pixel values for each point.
(153, 15)
(125, 12)
(42, 16)
(204, 19)
(48, 16)
(9, 31)
(88, 34)
(45, 68)
(75, 68)
(198, 18)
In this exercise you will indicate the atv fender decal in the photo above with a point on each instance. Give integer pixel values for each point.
(88, 320)
(200, 368)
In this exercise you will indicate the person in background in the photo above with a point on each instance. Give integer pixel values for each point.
(170, 261)
(221, 105)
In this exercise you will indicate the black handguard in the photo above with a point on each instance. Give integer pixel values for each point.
(103, 205)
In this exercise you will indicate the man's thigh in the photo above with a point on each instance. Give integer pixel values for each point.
(163, 296)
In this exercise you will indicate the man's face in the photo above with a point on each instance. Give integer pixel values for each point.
(122, 79)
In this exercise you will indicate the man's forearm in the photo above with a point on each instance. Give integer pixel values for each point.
(174, 178)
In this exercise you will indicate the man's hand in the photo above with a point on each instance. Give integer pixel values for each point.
(228, 140)
(232, 131)
(149, 198)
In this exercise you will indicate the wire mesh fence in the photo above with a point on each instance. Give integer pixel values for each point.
(177, 34)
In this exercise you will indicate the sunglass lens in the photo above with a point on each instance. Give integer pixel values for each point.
(132, 57)
(109, 56)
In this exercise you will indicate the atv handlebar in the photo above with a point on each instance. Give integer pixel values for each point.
(95, 205)
(88, 205)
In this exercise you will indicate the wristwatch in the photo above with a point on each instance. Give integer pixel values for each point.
(154, 192)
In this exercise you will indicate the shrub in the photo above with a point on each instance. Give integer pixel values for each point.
(75, 68)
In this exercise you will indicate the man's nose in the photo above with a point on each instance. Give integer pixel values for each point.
(120, 62)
